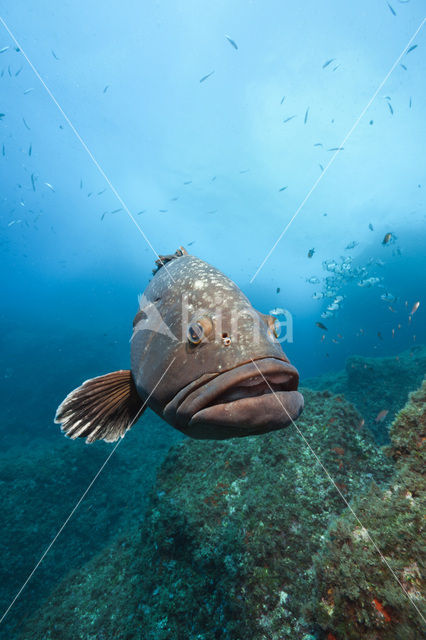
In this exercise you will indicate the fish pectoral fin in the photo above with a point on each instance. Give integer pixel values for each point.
(103, 408)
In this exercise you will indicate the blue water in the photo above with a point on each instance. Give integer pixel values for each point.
(205, 162)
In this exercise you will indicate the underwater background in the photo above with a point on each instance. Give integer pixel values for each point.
(215, 125)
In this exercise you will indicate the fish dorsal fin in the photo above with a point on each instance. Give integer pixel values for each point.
(102, 408)
(162, 260)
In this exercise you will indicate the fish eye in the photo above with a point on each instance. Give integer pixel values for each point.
(199, 329)
(276, 327)
(195, 333)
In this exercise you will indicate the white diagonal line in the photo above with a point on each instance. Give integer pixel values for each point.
(85, 147)
(80, 500)
(333, 157)
(342, 496)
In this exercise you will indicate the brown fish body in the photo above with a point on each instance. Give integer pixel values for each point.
(201, 357)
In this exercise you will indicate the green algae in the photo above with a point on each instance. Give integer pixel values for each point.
(359, 594)
(226, 549)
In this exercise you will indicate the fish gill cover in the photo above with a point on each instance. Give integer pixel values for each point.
(281, 143)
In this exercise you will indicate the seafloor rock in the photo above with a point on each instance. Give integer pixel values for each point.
(226, 549)
(374, 385)
(362, 595)
(40, 486)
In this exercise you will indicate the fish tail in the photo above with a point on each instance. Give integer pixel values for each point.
(102, 408)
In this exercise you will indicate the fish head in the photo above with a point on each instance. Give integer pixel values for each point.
(210, 364)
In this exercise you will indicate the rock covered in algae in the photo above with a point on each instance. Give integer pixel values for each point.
(376, 385)
(361, 595)
(226, 548)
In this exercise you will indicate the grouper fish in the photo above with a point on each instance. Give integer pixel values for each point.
(201, 357)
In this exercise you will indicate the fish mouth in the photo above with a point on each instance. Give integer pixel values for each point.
(254, 397)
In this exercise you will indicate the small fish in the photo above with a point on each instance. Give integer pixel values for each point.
(288, 119)
(163, 210)
(370, 226)
(311, 252)
(89, 194)
(9, 70)
(322, 169)
(318, 144)
(336, 149)
(190, 243)
(282, 189)
(379, 335)
(403, 66)
(278, 289)
(391, 9)
(28, 90)
(414, 46)
(49, 186)
(410, 103)
(106, 88)
(322, 326)
(393, 333)
(30, 150)
(81, 184)
(191, 393)
(416, 305)
(388, 238)
(381, 415)
(4, 49)
(390, 107)
(328, 62)
(351, 245)
(2, 115)
(334, 340)
(306, 116)
(207, 76)
(19, 71)
(101, 192)
(245, 171)
(117, 210)
(103, 215)
(54, 55)
(174, 199)
(212, 180)
(188, 182)
(139, 213)
(24, 121)
(33, 181)
(391, 309)
(387, 297)
(232, 42)
(3, 150)
(282, 99)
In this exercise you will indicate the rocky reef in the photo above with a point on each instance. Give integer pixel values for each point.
(360, 593)
(376, 386)
(39, 487)
(227, 545)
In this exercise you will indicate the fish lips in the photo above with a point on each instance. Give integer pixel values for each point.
(247, 400)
